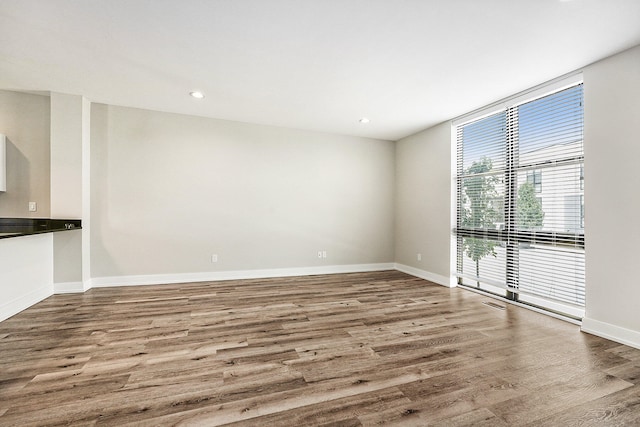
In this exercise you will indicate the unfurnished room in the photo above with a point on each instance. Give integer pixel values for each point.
(319, 212)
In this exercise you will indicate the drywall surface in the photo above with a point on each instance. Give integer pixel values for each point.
(26, 272)
(423, 200)
(67, 257)
(66, 156)
(69, 125)
(169, 191)
(24, 119)
(612, 153)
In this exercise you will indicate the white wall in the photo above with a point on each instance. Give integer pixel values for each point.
(170, 190)
(423, 201)
(612, 203)
(67, 129)
(66, 156)
(24, 119)
(67, 261)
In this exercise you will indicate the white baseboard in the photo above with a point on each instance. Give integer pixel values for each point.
(212, 276)
(23, 302)
(68, 288)
(611, 332)
(426, 275)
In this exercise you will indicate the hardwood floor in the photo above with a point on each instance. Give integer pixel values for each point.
(351, 349)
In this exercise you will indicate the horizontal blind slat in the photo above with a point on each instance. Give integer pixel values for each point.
(520, 185)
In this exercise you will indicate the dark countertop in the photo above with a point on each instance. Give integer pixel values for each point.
(15, 227)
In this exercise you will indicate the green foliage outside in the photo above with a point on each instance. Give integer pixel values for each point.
(530, 213)
(479, 212)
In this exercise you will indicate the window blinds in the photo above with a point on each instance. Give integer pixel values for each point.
(520, 201)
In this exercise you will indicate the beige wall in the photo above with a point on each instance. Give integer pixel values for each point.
(24, 119)
(66, 156)
(423, 200)
(612, 180)
(69, 141)
(168, 191)
(67, 258)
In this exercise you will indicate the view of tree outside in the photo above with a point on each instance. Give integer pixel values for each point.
(529, 213)
(534, 150)
(479, 209)
(482, 209)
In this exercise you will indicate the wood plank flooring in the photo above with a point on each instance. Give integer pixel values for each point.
(368, 349)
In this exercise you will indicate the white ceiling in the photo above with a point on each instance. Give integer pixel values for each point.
(308, 64)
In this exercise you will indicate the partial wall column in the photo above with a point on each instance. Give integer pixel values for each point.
(70, 123)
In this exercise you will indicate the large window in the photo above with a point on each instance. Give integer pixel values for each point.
(515, 236)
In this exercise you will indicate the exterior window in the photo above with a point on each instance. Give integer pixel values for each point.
(513, 239)
(535, 178)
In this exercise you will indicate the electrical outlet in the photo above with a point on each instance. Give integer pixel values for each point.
(33, 207)
(214, 258)
(319, 254)
(419, 257)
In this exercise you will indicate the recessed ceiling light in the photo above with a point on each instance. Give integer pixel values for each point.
(197, 95)
(364, 120)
